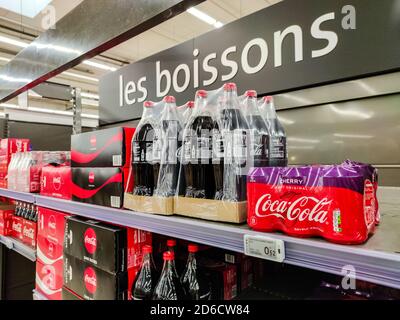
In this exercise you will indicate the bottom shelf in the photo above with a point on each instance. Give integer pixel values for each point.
(19, 247)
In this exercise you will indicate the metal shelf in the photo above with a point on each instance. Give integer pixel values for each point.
(377, 261)
(19, 247)
(22, 196)
(38, 296)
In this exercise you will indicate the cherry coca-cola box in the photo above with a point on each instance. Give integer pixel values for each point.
(336, 202)
(50, 244)
(29, 233)
(10, 146)
(69, 295)
(55, 181)
(101, 186)
(6, 215)
(16, 227)
(102, 148)
(93, 283)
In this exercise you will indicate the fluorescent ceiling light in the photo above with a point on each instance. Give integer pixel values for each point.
(4, 59)
(353, 136)
(90, 95)
(204, 17)
(99, 65)
(27, 8)
(13, 42)
(71, 74)
(303, 140)
(51, 111)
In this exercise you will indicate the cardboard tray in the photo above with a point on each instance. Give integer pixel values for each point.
(156, 205)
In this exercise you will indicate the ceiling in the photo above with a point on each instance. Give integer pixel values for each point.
(170, 33)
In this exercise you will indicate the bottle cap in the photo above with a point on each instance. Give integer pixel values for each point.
(169, 99)
(201, 93)
(168, 256)
(190, 104)
(193, 248)
(148, 104)
(229, 86)
(268, 99)
(171, 242)
(147, 249)
(251, 93)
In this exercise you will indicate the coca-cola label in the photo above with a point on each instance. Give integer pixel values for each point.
(91, 177)
(29, 232)
(90, 241)
(90, 279)
(17, 227)
(57, 181)
(302, 208)
(297, 181)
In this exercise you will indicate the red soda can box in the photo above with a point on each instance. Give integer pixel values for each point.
(336, 202)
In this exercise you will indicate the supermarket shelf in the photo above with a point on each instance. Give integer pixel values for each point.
(19, 247)
(38, 296)
(22, 196)
(377, 261)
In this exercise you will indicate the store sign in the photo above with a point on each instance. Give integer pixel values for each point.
(291, 45)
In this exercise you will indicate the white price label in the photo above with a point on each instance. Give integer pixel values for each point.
(264, 248)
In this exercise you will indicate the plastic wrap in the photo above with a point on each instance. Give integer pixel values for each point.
(337, 202)
(277, 145)
(185, 111)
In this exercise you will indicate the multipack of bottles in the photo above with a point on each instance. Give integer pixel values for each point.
(24, 223)
(193, 160)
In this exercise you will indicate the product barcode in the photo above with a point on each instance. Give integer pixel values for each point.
(117, 160)
(230, 258)
(115, 202)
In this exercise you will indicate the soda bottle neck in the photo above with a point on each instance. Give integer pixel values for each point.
(252, 108)
(230, 100)
(171, 248)
(270, 111)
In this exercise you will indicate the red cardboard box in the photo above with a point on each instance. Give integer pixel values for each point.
(50, 242)
(103, 148)
(16, 227)
(29, 232)
(5, 227)
(56, 182)
(10, 146)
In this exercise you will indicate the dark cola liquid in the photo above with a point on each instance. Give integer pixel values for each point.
(142, 147)
(234, 136)
(144, 284)
(198, 168)
(194, 285)
(168, 286)
(167, 171)
(260, 141)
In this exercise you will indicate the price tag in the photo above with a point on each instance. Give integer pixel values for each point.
(264, 248)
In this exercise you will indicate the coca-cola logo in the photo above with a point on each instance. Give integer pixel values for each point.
(90, 240)
(57, 183)
(29, 232)
(17, 227)
(52, 225)
(301, 209)
(91, 177)
(93, 140)
(90, 279)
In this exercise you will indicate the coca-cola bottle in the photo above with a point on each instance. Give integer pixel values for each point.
(23, 210)
(168, 286)
(194, 285)
(169, 141)
(198, 167)
(142, 157)
(277, 144)
(259, 135)
(145, 281)
(18, 206)
(171, 245)
(185, 111)
(233, 133)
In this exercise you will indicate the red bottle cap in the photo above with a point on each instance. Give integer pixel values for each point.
(193, 248)
(190, 104)
(169, 99)
(251, 93)
(147, 249)
(201, 93)
(171, 242)
(168, 256)
(268, 98)
(148, 104)
(230, 86)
